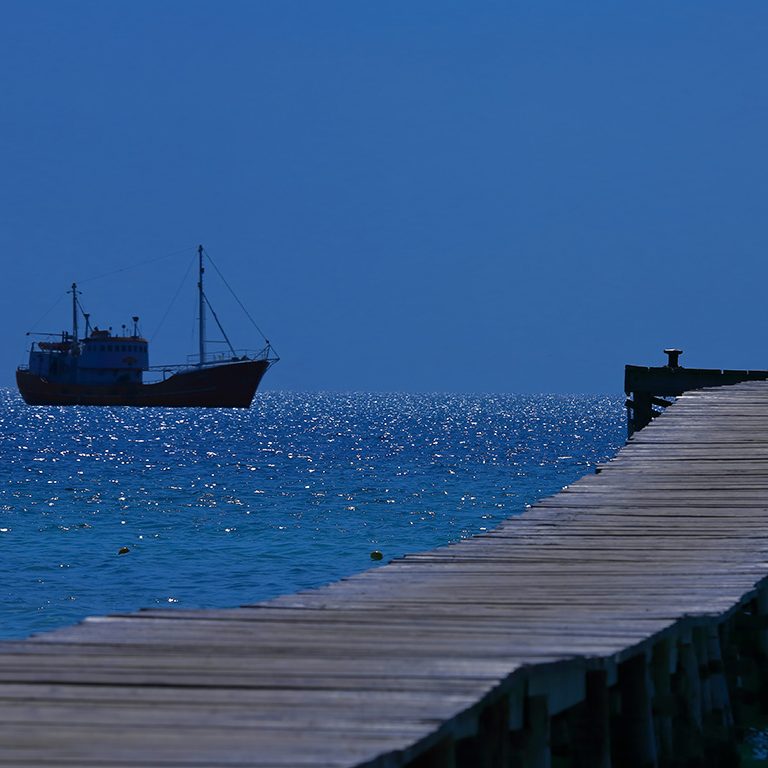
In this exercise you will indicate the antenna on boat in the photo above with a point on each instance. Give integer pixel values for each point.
(202, 305)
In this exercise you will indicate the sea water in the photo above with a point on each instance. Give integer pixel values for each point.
(219, 508)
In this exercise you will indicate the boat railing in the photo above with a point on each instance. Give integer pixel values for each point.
(217, 358)
(226, 356)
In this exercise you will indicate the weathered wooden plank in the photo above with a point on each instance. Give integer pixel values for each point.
(377, 667)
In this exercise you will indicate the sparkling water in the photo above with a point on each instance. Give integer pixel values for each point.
(115, 509)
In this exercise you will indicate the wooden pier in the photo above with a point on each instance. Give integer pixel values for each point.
(649, 388)
(621, 623)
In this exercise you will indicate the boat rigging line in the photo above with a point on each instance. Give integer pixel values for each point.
(240, 303)
(53, 306)
(173, 300)
(31, 331)
(223, 332)
(134, 265)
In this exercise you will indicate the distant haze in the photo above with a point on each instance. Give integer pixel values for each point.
(407, 196)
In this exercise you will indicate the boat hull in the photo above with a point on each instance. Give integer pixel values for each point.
(229, 385)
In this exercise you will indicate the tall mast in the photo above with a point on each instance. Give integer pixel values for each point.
(202, 305)
(74, 316)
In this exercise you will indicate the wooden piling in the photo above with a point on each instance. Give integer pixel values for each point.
(663, 703)
(634, 742)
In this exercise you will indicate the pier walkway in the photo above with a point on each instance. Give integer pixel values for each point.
(618, 623)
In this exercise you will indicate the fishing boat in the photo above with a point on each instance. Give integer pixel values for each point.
(102, 368)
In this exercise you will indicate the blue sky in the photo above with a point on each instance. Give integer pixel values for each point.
(407, 196)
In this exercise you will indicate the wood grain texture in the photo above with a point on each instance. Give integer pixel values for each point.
(376, 668)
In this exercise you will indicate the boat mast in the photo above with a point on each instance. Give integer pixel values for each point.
(202, 305)
(74, 316)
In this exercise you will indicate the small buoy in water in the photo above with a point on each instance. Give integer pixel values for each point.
(123, 551)
(376, 555)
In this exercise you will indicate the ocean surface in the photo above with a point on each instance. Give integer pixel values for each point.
(219, 508)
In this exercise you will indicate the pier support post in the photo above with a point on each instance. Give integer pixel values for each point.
(591, 734)
(721, 700)
(641, 412)
(762, 612)
(664, 704)
(702, 659)
(719, 742)
(748, 645)
(686, 688)
(490, 747)
(531, 744)
(634, 745)
(730, 659)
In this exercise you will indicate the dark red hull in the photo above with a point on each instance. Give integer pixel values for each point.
(230, 385)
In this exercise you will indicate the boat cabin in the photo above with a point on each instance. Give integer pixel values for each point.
(99, 358)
